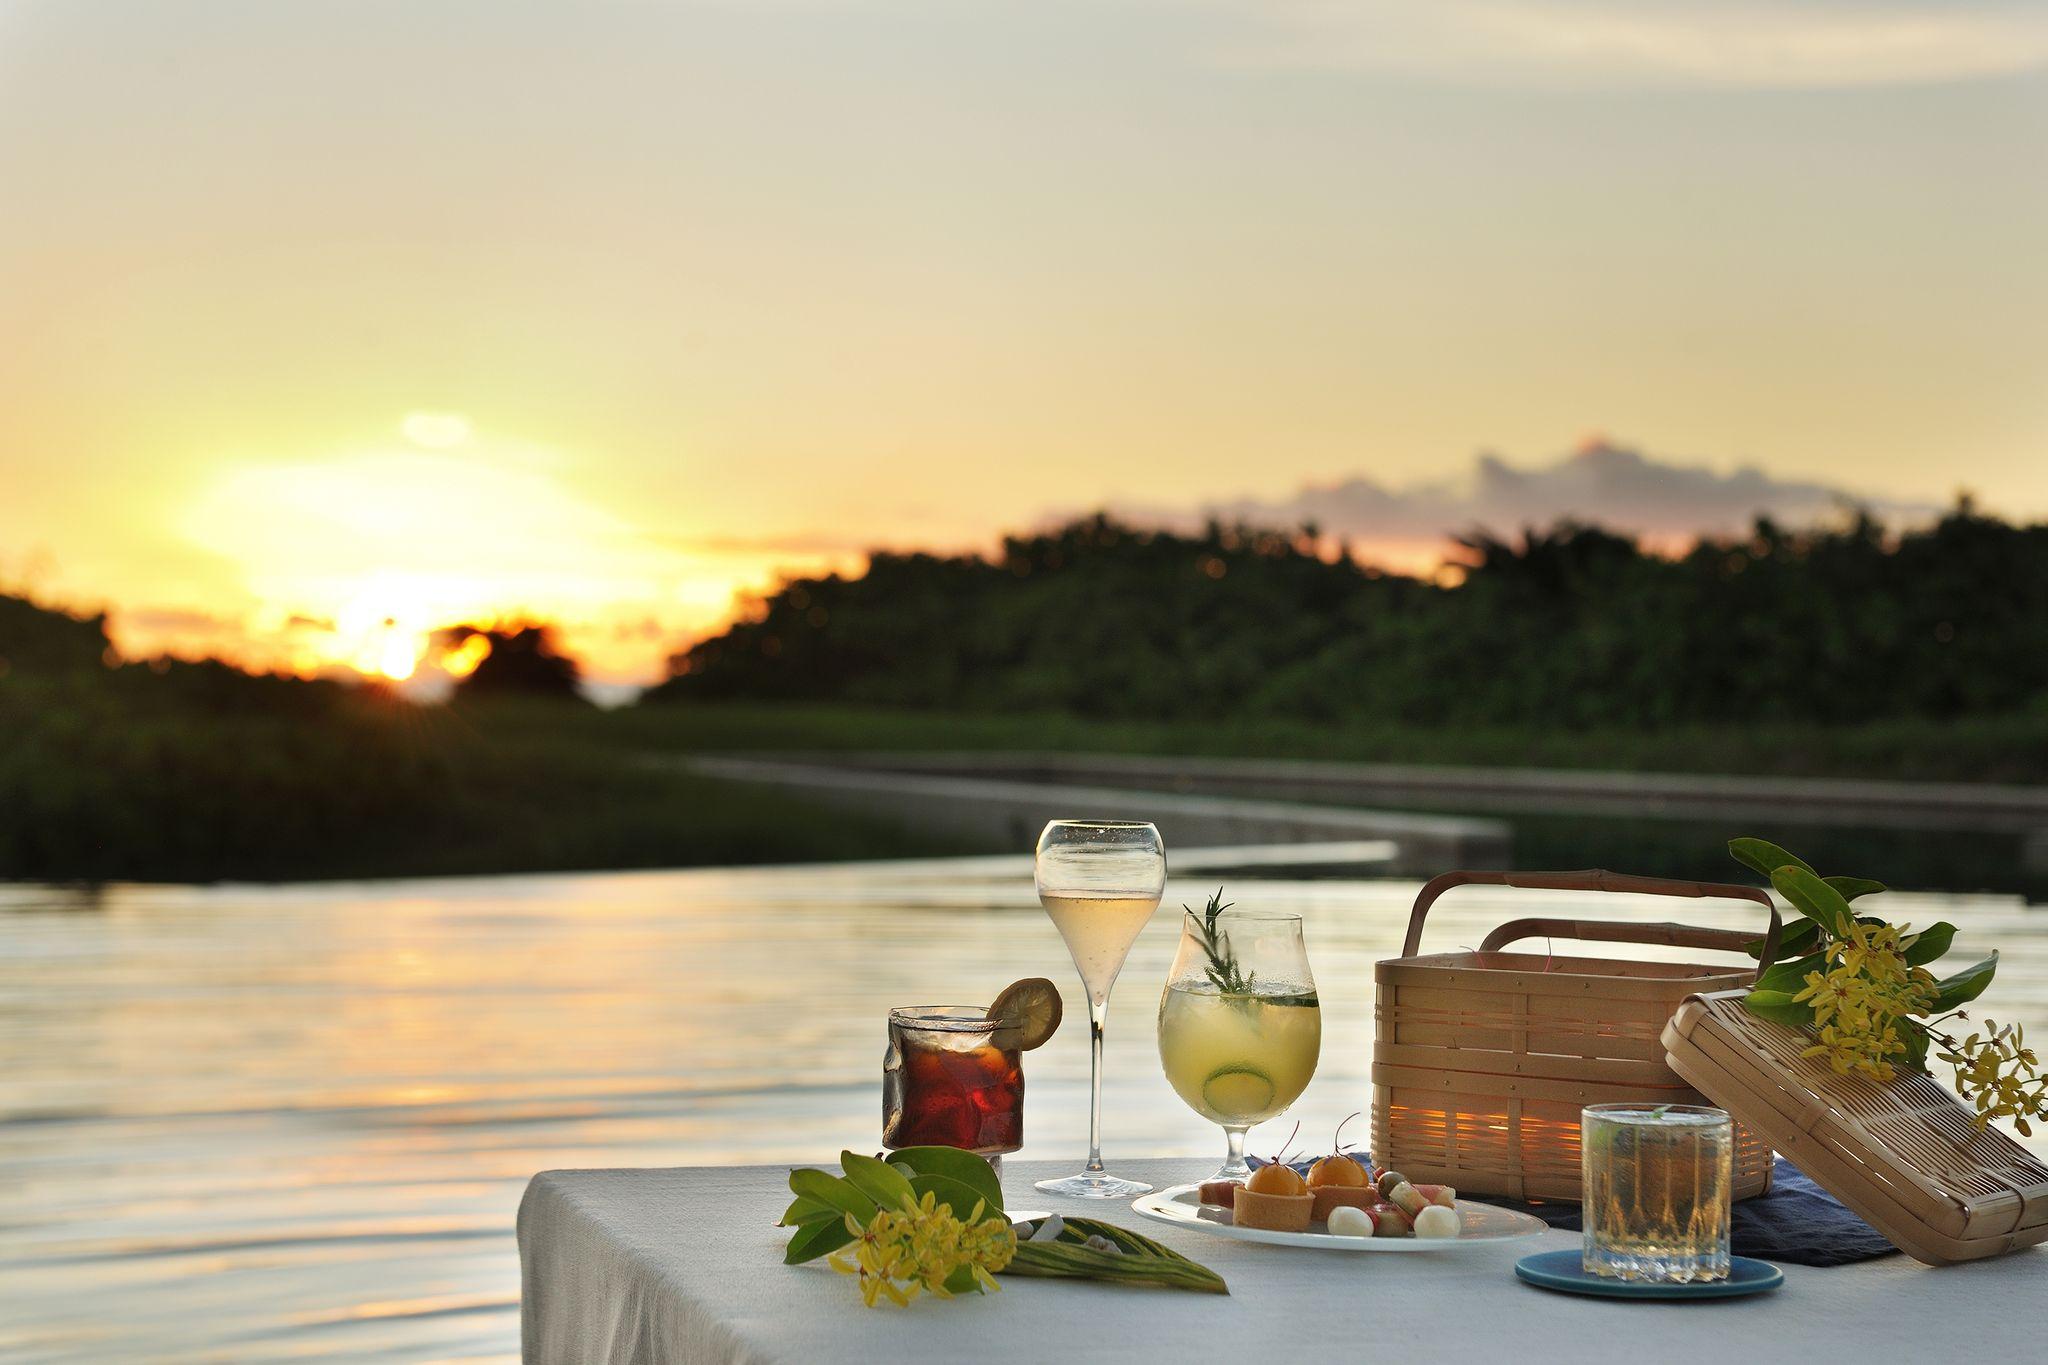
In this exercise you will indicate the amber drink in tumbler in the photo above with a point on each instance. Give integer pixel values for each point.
(1658, 1191)
(946, 1082)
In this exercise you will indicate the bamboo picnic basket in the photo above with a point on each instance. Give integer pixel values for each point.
(1482, 1060)
(1904, 1154)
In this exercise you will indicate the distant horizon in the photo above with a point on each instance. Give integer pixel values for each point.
(1665, 506)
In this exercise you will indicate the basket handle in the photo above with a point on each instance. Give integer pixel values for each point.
(1609, 931)
(1599, 879)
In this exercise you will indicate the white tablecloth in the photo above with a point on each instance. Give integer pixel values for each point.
(686, 1265)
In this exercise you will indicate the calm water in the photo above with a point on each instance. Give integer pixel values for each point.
(296, 1121)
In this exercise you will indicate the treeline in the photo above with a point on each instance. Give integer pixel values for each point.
(1572, 627)
(177, 771)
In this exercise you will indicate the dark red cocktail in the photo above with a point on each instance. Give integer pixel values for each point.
(946, 1082)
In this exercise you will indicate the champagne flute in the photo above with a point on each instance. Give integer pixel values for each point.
(1240, 1027)
(1100, 881)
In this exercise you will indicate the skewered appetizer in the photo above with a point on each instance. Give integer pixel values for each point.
(1342, 1192)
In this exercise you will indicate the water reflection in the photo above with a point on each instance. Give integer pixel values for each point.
(296, 1121)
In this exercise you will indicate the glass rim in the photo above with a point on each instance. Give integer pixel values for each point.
(1078, 822)
(1655, 1112)
(946, 1018)
(1226, 916)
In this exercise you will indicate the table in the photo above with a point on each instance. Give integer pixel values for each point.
(685, 1264)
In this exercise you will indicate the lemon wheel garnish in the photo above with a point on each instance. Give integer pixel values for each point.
(1237, 1090)
(1027, 1013)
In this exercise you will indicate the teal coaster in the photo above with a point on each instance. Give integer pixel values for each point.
(1565, 1272)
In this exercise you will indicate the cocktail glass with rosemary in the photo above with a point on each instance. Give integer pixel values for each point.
(1099, 881)
(1240, 1027)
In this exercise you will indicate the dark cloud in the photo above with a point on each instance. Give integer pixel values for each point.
(1603, 483)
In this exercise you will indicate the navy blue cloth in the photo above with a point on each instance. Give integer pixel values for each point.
(1798, 1222)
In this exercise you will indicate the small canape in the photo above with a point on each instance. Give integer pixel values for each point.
(1329, 1198)
(1339, 1169)
(1220, 1192)
(1443, 1196)
(1389, 1221)
(1339, 1182)
(1276, 1199)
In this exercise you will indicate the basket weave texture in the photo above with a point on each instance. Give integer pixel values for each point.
(1904, 1154)
(1482, 1060)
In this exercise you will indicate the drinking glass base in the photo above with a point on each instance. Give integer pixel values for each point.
(1098, 1185)
(1656, 1266)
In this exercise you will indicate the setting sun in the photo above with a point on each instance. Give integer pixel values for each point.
(353, 560)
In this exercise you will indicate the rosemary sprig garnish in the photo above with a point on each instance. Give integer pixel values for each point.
(1223, 972)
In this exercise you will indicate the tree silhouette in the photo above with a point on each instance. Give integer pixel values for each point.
(523, 659)
(1571, 627)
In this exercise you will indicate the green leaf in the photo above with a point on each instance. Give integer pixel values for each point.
(962, 1281)
(1070, 1260)
(878, 1180)
(805, 1210)
(955, 1196)
(1137, 1243)
(1964, 986)
(816, 1239)
(1815, 899)
(965, 1167)
(1915, 1038)
(1799, 937)
(1849, 888)
(1780, 1007)
(830, 1189)
(1790, 977)
(1930, 943)
(1763, 857)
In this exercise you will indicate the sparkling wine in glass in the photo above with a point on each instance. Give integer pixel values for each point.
(1100, 881)
(1240, 1027)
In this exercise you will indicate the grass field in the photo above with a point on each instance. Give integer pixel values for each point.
(95, 787)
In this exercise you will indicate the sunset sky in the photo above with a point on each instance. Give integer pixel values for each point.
(315, 316)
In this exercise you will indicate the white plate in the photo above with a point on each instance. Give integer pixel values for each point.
(1478, 1224)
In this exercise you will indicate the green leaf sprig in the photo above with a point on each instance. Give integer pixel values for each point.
(830, 1210)
(1223, 970)
(1862, 987)
(1137, 1259)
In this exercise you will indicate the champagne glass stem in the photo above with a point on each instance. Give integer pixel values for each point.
(1235, 1167)
(1098, 1010)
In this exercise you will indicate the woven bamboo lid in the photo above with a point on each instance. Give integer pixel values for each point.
(1904, 1154)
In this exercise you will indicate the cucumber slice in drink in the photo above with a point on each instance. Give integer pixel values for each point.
(1238, 1090)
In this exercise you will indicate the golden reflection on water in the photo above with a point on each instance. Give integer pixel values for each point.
(296, 1121)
